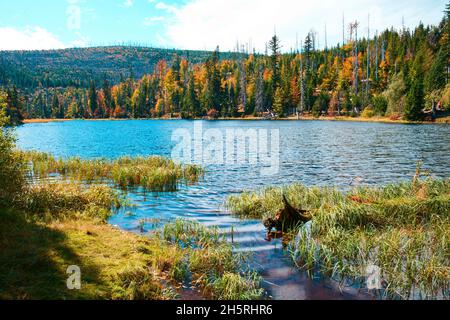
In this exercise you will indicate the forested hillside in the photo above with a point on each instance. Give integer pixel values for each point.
(77, 67)
(396, 73)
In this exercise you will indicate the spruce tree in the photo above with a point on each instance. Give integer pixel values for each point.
(415, 98)
(278, 102)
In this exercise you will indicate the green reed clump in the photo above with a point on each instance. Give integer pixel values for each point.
(210, 261)
(151, 173)
(233, 286)
(60, 199)
(191, 234)
(265, 203)
(402, 228)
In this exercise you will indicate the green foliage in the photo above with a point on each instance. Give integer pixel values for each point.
(368, 112)
(436, 77)
(415, 99)
(396, 95)
(380, 105)
(321, 104)
(445, 99)
(12, 169)
(278, 103)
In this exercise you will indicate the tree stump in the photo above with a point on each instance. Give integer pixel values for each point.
(286, 219)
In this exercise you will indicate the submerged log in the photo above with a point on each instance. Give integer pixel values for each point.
(287, 219)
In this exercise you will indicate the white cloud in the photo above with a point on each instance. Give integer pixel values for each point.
(30, 38)
(204, 24)
(128, 3)
(166, 7)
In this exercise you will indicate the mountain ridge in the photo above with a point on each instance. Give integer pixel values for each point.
(76, 67)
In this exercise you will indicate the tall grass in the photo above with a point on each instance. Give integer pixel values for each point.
(401, 228)
(152, 173)
(51, 201)
(208, 259)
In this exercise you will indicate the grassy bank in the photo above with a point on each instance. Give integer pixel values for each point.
(151, 173)
(57, 225)
(401, 228)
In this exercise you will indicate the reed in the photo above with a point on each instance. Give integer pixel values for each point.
(211, 263)
(52, 200)
(401, 228)
(152, 173)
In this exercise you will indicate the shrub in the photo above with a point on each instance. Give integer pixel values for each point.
(380, 105)
(12, 178)
(396, 95)
(368, 112)
(445, 100)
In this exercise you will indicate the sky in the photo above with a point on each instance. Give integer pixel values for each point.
(199, 24)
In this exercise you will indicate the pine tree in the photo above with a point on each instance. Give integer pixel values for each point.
(436, 77)
(107, 95)
(14, 106)
(415, 99)
(275, 46)
(191, 105)
(93, 105)
(278, 102)
(56, 107)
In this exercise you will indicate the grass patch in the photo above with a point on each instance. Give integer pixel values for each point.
(36, 255)
(402, 228)
(115, 264)
(152, 173)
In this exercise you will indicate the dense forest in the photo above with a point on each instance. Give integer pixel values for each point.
(396, 73)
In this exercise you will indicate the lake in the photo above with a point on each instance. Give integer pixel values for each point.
(326, 153)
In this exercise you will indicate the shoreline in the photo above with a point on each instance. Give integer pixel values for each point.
(443, 120)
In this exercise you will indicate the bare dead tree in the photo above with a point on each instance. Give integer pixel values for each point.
(302, 82)
(242, 81)
(376, 55)
(259, 97)
(354, 31)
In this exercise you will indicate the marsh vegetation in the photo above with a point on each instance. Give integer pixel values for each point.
(401, 228)
(151, 173)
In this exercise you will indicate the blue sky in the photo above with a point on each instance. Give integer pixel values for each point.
(198, 24)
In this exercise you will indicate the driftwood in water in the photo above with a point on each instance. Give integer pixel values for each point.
(286, 219)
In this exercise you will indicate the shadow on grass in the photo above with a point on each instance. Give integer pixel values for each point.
(34, 259)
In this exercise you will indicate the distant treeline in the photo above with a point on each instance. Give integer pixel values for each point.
(399, 73)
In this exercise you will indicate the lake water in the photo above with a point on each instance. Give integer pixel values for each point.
(311, 152)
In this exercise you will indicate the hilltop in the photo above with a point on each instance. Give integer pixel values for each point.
(78, 66)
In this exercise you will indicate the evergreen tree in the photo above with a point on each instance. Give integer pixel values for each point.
(278, 102)
(13, 107)
(93, 104)
(56, 107)
(415, 99)
(436, 77)
(275, 47)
